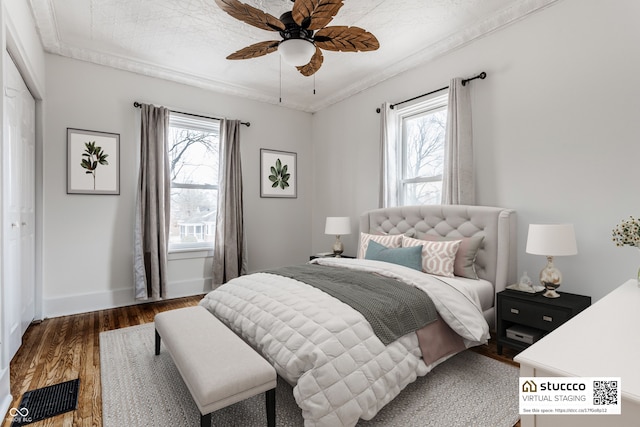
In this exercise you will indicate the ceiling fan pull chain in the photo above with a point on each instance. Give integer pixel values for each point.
(314, 83)
(280, 80)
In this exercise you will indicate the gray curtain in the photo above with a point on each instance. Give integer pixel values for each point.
(389, 161)
(458, 186)
(230, 249)
(151, 232)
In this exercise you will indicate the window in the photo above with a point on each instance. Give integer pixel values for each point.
(421, 144)
(193, 156)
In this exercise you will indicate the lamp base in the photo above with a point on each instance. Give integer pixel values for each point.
(338, 248)
(550, 277)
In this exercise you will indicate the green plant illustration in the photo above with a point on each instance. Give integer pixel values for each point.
(91, 158)
(279, 176)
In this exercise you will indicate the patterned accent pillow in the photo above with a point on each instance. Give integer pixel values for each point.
(437, 257)
(464, 265)
(390, 241)
(409, 257)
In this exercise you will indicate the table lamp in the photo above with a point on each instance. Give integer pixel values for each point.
(338, 226)
(551, 240)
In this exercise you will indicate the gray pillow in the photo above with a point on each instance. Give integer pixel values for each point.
(464, 265)
(409, 257)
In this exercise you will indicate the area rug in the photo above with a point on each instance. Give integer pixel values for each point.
(141, 389)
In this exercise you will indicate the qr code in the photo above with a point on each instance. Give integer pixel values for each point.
(605, 392)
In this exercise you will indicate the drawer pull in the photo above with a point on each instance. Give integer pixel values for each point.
(547, 318)
(515, 311)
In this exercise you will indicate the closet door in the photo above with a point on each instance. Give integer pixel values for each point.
(18, 175)
(27, 123)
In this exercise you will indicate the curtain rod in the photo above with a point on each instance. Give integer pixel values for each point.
(482, 76)
(138, 105)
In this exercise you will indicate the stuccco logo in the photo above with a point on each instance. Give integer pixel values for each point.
(562, 386)
(530, 386)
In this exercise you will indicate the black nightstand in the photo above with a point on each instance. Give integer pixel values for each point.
(328, 256)
(534, 311)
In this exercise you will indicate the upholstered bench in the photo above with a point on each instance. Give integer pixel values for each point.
(218, 367)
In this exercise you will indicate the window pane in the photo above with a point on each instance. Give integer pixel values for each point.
(193, 216)
(193, 156)
(423, 137)
(423, 193)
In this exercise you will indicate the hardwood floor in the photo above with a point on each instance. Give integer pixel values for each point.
(65, 348)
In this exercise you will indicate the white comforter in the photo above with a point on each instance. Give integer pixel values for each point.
(340, 369)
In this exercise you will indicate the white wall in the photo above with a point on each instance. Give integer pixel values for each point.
(556, 127)
(88, 243)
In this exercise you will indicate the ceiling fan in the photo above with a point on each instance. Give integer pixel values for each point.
(304, 32)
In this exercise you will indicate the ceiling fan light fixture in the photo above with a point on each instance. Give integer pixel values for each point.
(296, 52)
(305, 33)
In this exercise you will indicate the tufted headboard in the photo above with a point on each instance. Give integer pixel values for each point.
(496, 258)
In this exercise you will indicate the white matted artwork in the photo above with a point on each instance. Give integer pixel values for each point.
(93, 162)
(278, 173)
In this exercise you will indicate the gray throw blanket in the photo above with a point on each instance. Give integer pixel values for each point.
(393, 308)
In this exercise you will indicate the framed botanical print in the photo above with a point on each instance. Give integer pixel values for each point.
(93, 162)
(278, 173)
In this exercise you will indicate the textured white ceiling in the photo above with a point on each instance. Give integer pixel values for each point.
(188, 40)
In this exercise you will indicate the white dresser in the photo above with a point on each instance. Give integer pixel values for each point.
(601, 341)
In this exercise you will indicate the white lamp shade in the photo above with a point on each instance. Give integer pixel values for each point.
(551, 240)
(296, 52)
(337, 225)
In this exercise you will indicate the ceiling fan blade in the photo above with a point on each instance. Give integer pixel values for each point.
(251, 15)
(314, 64)
(346, 39)
(315, 14)
(255, 50)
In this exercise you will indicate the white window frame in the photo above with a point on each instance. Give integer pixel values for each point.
(420, 108)
(204, 124)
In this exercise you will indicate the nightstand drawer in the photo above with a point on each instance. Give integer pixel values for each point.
(541, 317)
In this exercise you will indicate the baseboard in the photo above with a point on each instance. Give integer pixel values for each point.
(84, 303)
(5, 391)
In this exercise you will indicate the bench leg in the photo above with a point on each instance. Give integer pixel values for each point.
(157, 343)
(205, 420)
(271, 407)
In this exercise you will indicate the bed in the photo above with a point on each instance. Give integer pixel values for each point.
(342, 365)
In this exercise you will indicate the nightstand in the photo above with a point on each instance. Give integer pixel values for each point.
(328, 256)
(535, 313)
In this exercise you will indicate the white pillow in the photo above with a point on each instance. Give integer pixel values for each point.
(390, 241)
(437, 257)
